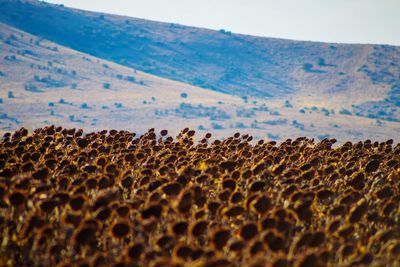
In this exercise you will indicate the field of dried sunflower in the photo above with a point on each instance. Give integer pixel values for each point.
(113, 199)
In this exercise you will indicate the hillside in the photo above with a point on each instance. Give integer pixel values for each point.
(220, 60)
(44, 83)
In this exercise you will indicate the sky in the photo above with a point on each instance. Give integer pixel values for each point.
(341, 21)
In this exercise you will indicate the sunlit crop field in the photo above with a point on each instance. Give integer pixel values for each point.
(111, 198)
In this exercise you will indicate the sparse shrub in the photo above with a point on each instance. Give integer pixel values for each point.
(288, 104)
(51, 104)
(273, 137)
(254, 125)
(74, 86)
(225, 32)
(216, 126)
(10, 58)
(325, 111)
(85, 106)
(130, 79)
(307, 67)
(276, 122)
(274, 113)
(298, 125)
(62, 101)
(106, 85)
(191, 111)
(323, 136)
(184, 95)
(245, 113)
(32, 88)
(261, 108)
(382, 113)
(118, 105)
(10, 94)
(240, 125)
(1, 100)
(322, 63)
(5, 116)
(345, 112)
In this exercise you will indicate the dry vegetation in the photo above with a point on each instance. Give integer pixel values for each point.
(109, 198)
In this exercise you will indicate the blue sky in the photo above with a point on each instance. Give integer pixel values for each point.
(343, 21)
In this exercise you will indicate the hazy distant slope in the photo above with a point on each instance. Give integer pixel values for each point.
(45, 83)
(231, 63)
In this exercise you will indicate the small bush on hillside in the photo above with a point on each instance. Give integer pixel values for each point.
(288, 104)
(106, 86)
(85, 106)
(10, 94)
(298, 125)
(130, 79)
(216, 126)
(118, 105)
(345, 112)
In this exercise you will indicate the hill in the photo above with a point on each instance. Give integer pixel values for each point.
(220, 60)
(43, 83)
